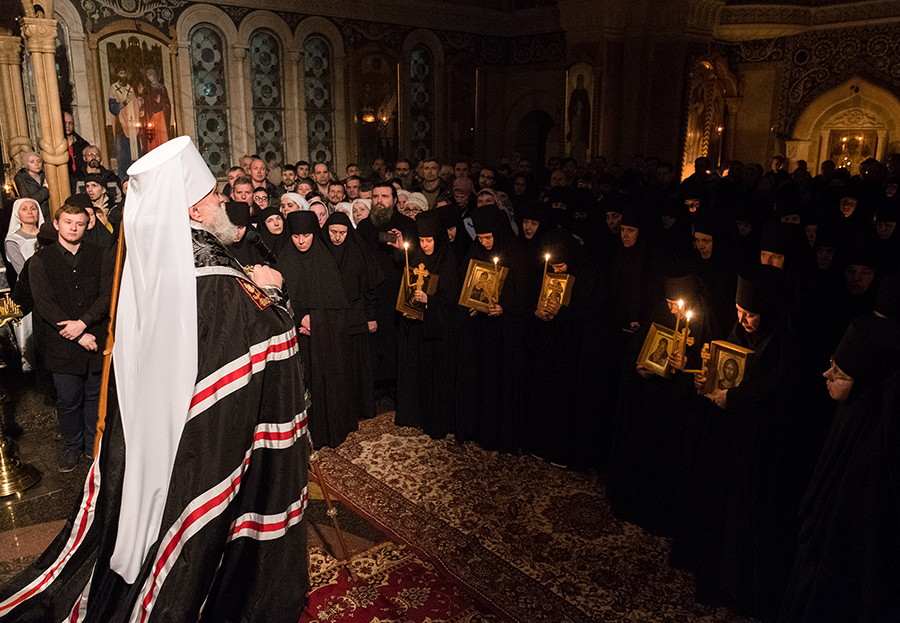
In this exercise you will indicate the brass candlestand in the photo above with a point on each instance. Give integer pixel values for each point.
(15, 476)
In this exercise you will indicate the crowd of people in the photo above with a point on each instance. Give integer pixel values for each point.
(778, 487)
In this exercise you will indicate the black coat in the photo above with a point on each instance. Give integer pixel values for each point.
(62, 292)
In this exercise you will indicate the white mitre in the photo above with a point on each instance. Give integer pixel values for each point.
(155, 352)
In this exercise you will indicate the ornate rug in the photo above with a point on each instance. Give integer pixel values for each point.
(392, 585)
(533, 542)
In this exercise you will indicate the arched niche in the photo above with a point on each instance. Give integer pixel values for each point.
(535, 109)
(854, 105)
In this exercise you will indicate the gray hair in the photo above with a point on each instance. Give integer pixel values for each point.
(25, 155)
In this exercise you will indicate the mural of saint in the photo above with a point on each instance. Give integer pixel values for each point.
(157, 110)
(125, 109)
(579, 112)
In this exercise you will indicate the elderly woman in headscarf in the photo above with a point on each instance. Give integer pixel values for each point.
(416, 204)
(317, 206)
(31, 183)
(464, 195)
(426, 371)
(361, 275)
(313, 282)
(489, 196)
(360, 210)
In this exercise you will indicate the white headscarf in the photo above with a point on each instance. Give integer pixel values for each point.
(365, 202)
(346, 207)
(419, 200)
(15, 224)
(302, 203)
(155, 350)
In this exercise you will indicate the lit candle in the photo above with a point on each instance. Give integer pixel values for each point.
(406, 274)
(497, 281)
(546, 262)
(678, 315)
(687, 323)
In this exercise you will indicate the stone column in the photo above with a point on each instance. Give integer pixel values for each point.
(242, 134)
(177, 113)
(40, 34)
(732, 106)
(295, 100)
(15, 123)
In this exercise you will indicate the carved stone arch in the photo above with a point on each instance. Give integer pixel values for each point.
(427, 39)
(857, 103)
(537, 100)
(266, 20)
(207, 14)
(320, 26)
(325, 28)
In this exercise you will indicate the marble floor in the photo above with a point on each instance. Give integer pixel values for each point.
(30, 520)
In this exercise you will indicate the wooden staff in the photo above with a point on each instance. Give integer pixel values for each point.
(110, 337)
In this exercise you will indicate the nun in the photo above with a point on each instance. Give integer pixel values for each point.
(316, 290)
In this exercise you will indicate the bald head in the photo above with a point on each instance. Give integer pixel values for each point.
(258, 171)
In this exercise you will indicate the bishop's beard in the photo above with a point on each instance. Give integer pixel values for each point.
(380, 215)
(221, 227)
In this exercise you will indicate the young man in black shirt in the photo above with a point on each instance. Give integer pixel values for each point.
(71, 284)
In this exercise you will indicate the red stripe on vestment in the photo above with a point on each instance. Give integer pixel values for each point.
(213, 507)
(218, 384)
(83, 521)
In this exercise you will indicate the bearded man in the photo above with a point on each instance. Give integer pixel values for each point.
(180, 519)
(386, 230)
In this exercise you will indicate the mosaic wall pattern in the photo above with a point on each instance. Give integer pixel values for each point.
(210, 98)
(818, 61)
(164, 14)
(268, 103)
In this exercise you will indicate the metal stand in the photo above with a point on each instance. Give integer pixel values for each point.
(15, 476)
(315, 475)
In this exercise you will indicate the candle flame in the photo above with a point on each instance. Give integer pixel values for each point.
(547, 257)
(689, 314)
(405, 245)
(680, 304)
(496, 259)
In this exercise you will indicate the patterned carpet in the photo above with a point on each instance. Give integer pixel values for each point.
(392, 585)
(533, 542)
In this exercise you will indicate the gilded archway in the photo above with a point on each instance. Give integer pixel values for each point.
(864, 114)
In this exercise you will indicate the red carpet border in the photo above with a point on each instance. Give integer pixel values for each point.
(532, 542)
(392, 585)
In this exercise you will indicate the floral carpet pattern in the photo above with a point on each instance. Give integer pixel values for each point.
(533, 542)
(391, 585)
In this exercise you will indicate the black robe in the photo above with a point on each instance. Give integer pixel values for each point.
(847, 567)
(652, 419)
(215, 550)
(491, 371)
(314, 284)
(426, 377)
(361, 276)
(565, 423)
(766, 436)
(391, 260)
